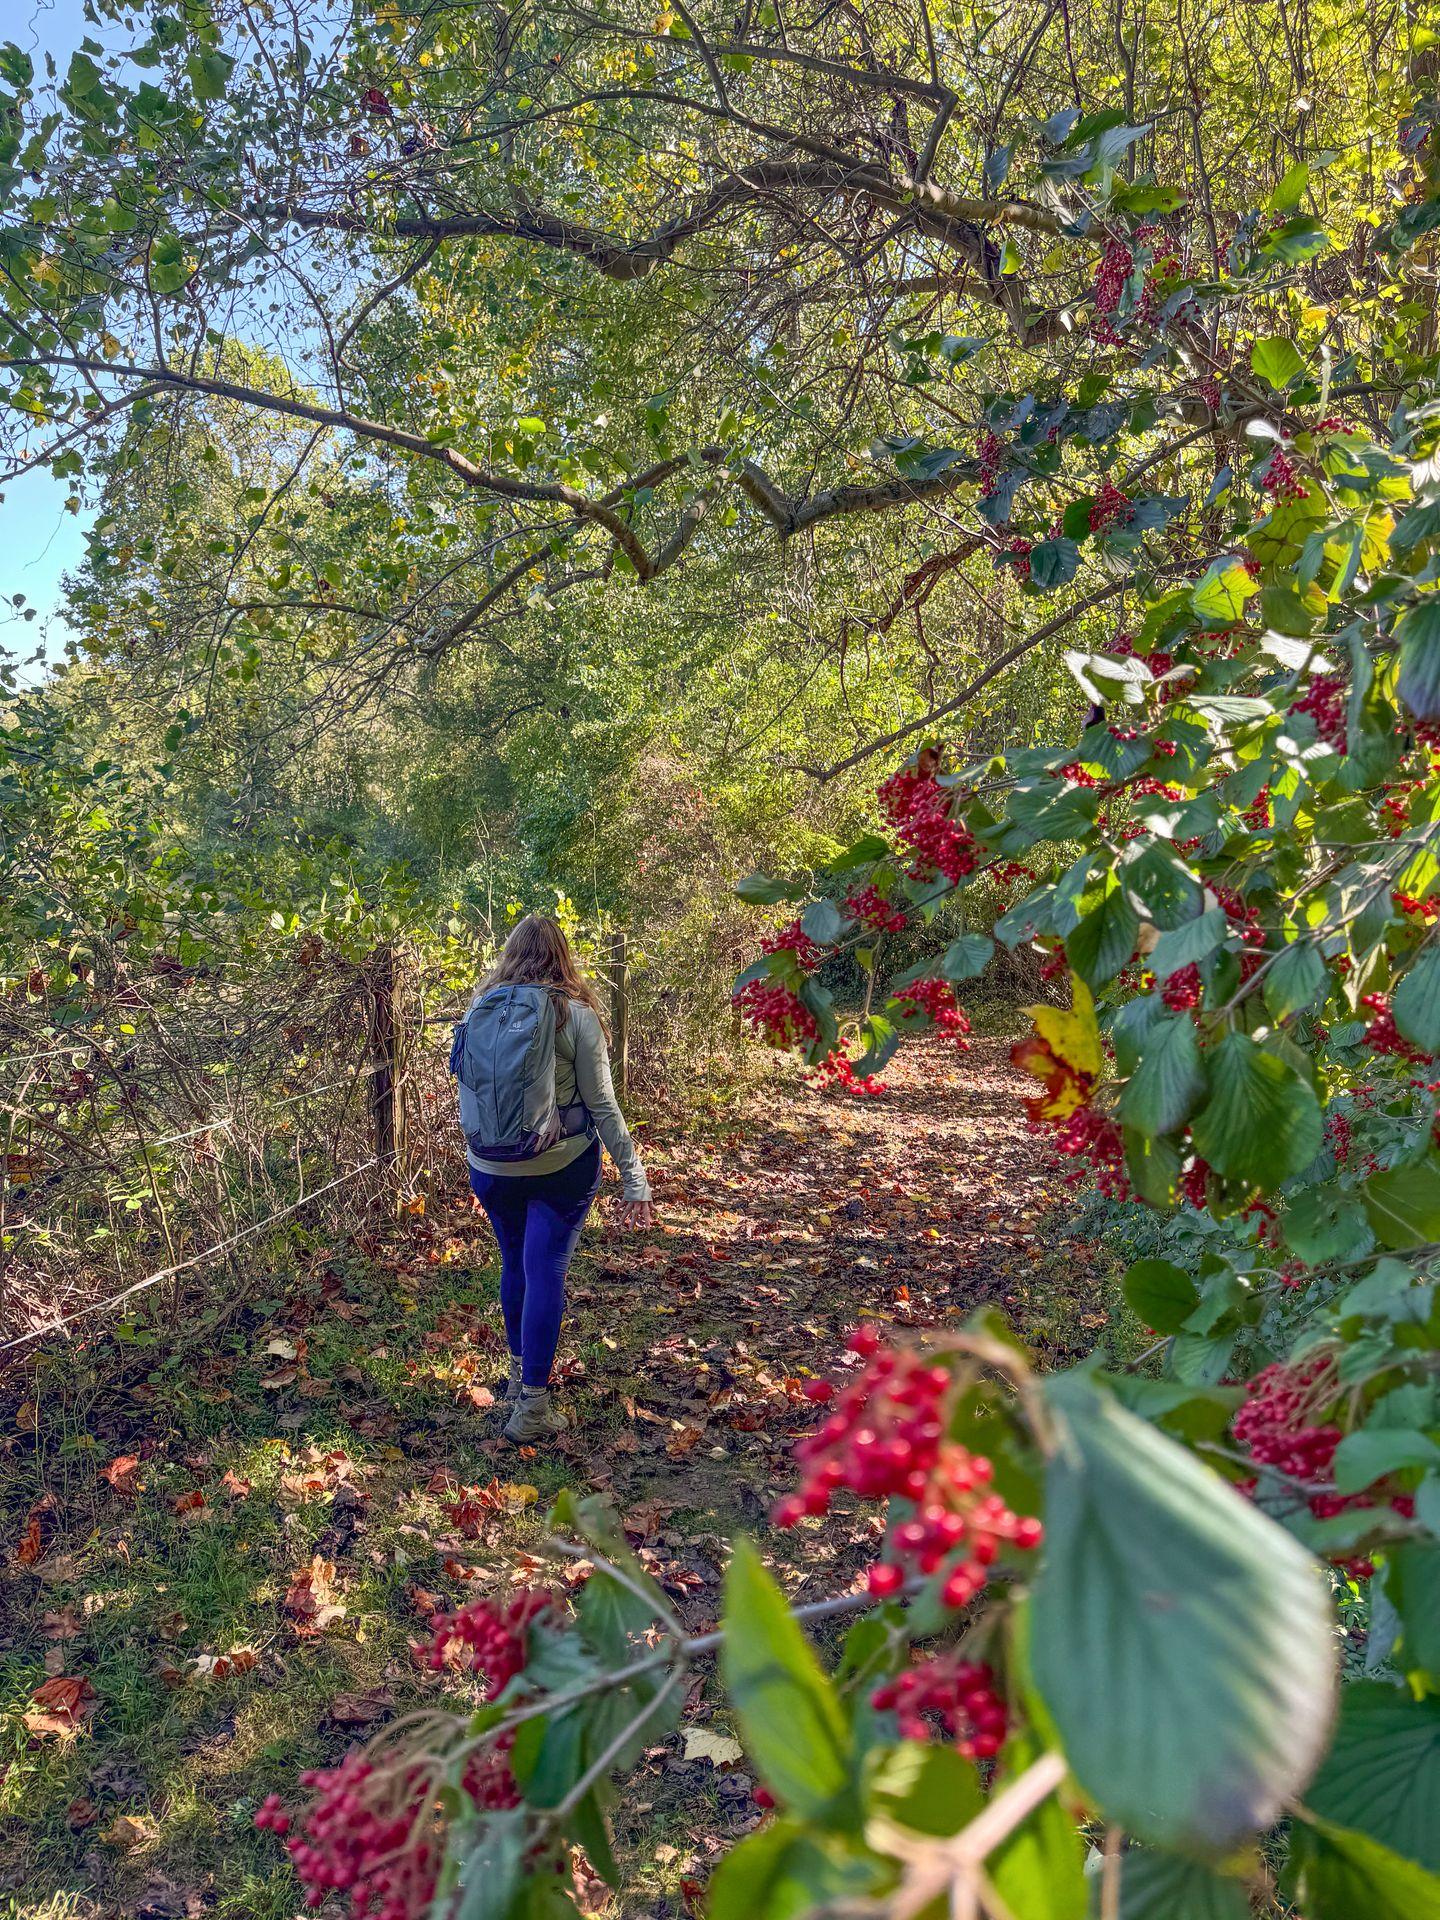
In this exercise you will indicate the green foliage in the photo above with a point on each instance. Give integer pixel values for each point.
(1188, 1723)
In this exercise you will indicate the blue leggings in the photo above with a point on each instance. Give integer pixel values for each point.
(537, 1219)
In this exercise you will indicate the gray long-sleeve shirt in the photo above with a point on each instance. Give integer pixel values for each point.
(582, 1072)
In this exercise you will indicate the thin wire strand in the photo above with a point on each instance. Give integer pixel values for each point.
(168, 1273)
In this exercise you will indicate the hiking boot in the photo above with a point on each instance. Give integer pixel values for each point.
(514, 1384)
(534, 1418)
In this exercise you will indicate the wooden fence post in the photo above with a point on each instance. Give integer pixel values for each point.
(384, 1057)
(619, 970)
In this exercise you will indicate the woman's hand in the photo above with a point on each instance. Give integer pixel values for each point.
(638, 1214)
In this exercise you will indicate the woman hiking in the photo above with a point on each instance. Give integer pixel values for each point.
(536, 1100)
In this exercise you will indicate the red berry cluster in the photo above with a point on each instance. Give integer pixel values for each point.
(1006, 872)
(1274, 1424)
(991, 453)
(374, 1832)
(775, 1014)
(1246, 921)
(918, 808)
(936, 999)
(367, 1834)
(1397, 810)
(1020, 549)
(1281, 477)
(836, 1071)
(1278, 1427)
(1325, 701)
(807, 955)
(955, 1696)
(872, 909)
(1383, 1036)
(1115, 264)
(1182, 990)
(1194, 1182)
(1423, 909)
(1110, 508)
(886, 1438)
(1080, 776)
(1088, 1135)
(484, 1640)
(1340, 1134)
(1257, 814)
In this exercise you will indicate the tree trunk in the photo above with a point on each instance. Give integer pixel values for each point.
(384, 1058)
(619, 971)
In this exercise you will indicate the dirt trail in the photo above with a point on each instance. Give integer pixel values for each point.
(233, 1545)
(910, 1210)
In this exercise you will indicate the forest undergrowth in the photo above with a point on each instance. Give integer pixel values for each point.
(225, 1547)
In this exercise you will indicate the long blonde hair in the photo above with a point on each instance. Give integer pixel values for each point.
(537, 954)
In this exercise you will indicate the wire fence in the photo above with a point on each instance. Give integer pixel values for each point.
(142, 1150)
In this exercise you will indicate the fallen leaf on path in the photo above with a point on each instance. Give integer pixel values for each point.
(130, 1830)
(703, 1743)
(684, 1441)
(310, 1600)
(62, 1706)
(35, 1534)
(361, 1709)
(121, 1475)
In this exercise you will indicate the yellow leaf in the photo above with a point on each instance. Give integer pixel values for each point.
(1072, 1034)
(518, 1496)
(703, 1743)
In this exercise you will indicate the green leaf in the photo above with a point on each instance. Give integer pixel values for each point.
(790, 1719)
(1104, 940)
(1327, 1223)
(761, 891)
(1195, 940)
(1418, 632)
(1163, 888)
(783, 1871)
(1339, 1874)
(1404, 1204)
(1222, 592)
(966, 957)
(492, 1867)
(1416, 1001)
(1262, 1122)
(1276, 360)
(821, 922)
(1039, 1868)
(209, 74)
(1163, 1886)
(863, 853)
(1181, 1642)
(926, 1789)
(1194, 1412)
(1294, 980)
(1288, 194)
(1053, 563)
(1412, 1582)
(1160, 1294)
(1369, 1454)
(1381, 1776)
(170, 265)
(1161, 1092)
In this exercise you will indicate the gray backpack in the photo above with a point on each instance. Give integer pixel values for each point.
(503, 1057)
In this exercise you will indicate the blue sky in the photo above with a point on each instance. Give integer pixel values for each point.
(39, 540)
